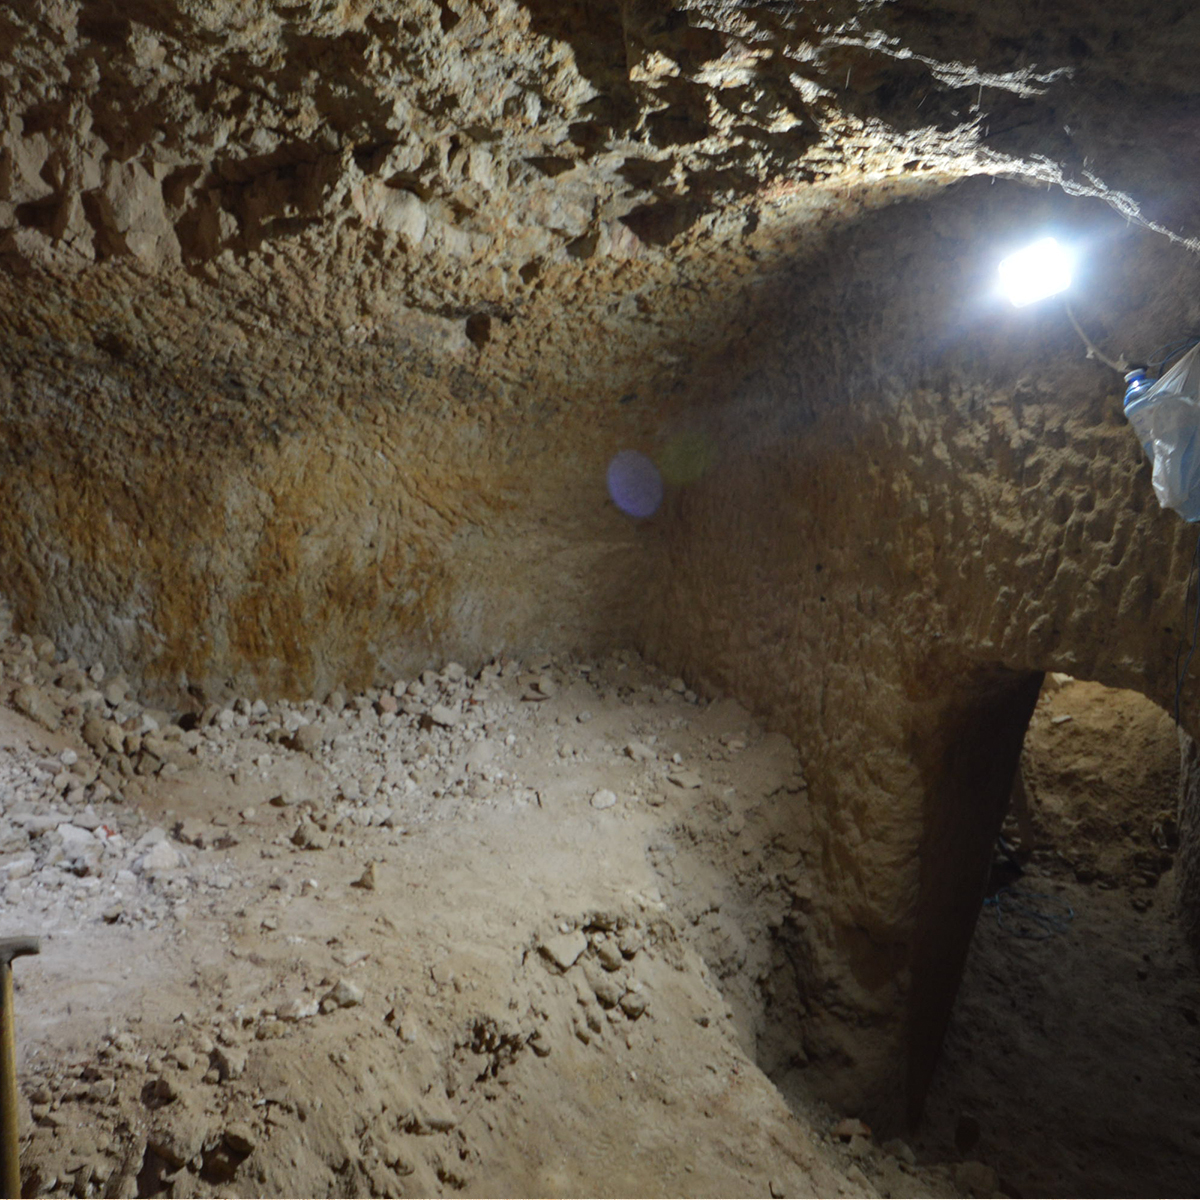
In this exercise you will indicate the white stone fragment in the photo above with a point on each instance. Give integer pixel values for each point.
(564, 949)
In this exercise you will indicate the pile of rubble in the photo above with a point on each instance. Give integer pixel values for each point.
(334, 948)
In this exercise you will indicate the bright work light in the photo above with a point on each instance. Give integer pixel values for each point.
(1040, 270)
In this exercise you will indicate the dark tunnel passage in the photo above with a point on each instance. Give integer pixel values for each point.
(1070, 1059)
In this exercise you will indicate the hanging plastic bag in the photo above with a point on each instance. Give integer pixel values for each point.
(1165, 415)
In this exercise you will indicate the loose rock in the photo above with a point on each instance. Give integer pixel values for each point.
(633, 1005)
(292, 793)
(309, 837)
(296, 1010)
(344, 994)
(37, 706)
(564, 949)
(180, 1136)
(444, 715)
(610, 956)
(977, 1178)
(308, 739)
(367, 879)
(850, 1127)
(608, 992)
(240, 1137)
(161, 857)
(230, 1062)
(901, 1151)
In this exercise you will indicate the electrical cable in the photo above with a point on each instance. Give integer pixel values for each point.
(1166, 353)
(1032, 915)
(1093, 351)
(1181, 673)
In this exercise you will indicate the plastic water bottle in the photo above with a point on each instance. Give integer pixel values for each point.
(1137, 383)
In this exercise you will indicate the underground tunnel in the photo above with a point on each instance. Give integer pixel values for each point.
(534, 560)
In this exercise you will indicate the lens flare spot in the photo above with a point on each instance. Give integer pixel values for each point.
(634, 484)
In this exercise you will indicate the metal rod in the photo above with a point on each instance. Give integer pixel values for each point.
(10, 1149)
(10, 1134)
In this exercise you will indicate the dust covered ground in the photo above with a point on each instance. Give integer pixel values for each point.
(495, 935)
(1071, 1064)
(513, 935)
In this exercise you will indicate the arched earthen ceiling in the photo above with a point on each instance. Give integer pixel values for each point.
(517, 133)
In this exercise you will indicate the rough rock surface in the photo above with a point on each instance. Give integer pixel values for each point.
(312, 369)
(1189, 839)
(889, 570)
(319, 325)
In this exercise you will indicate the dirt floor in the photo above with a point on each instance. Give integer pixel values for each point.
(510, 935)
(1071, 1065)
(463, 936)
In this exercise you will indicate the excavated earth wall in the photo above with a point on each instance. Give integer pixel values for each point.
(922, 504)
(237, 501)
(318, 330)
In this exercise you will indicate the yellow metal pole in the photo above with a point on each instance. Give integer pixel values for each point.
(10, 1145)
(10, 1151)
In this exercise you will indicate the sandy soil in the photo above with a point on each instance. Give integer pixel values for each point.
(1071, 1062)
(466, 936)
(511, 935)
